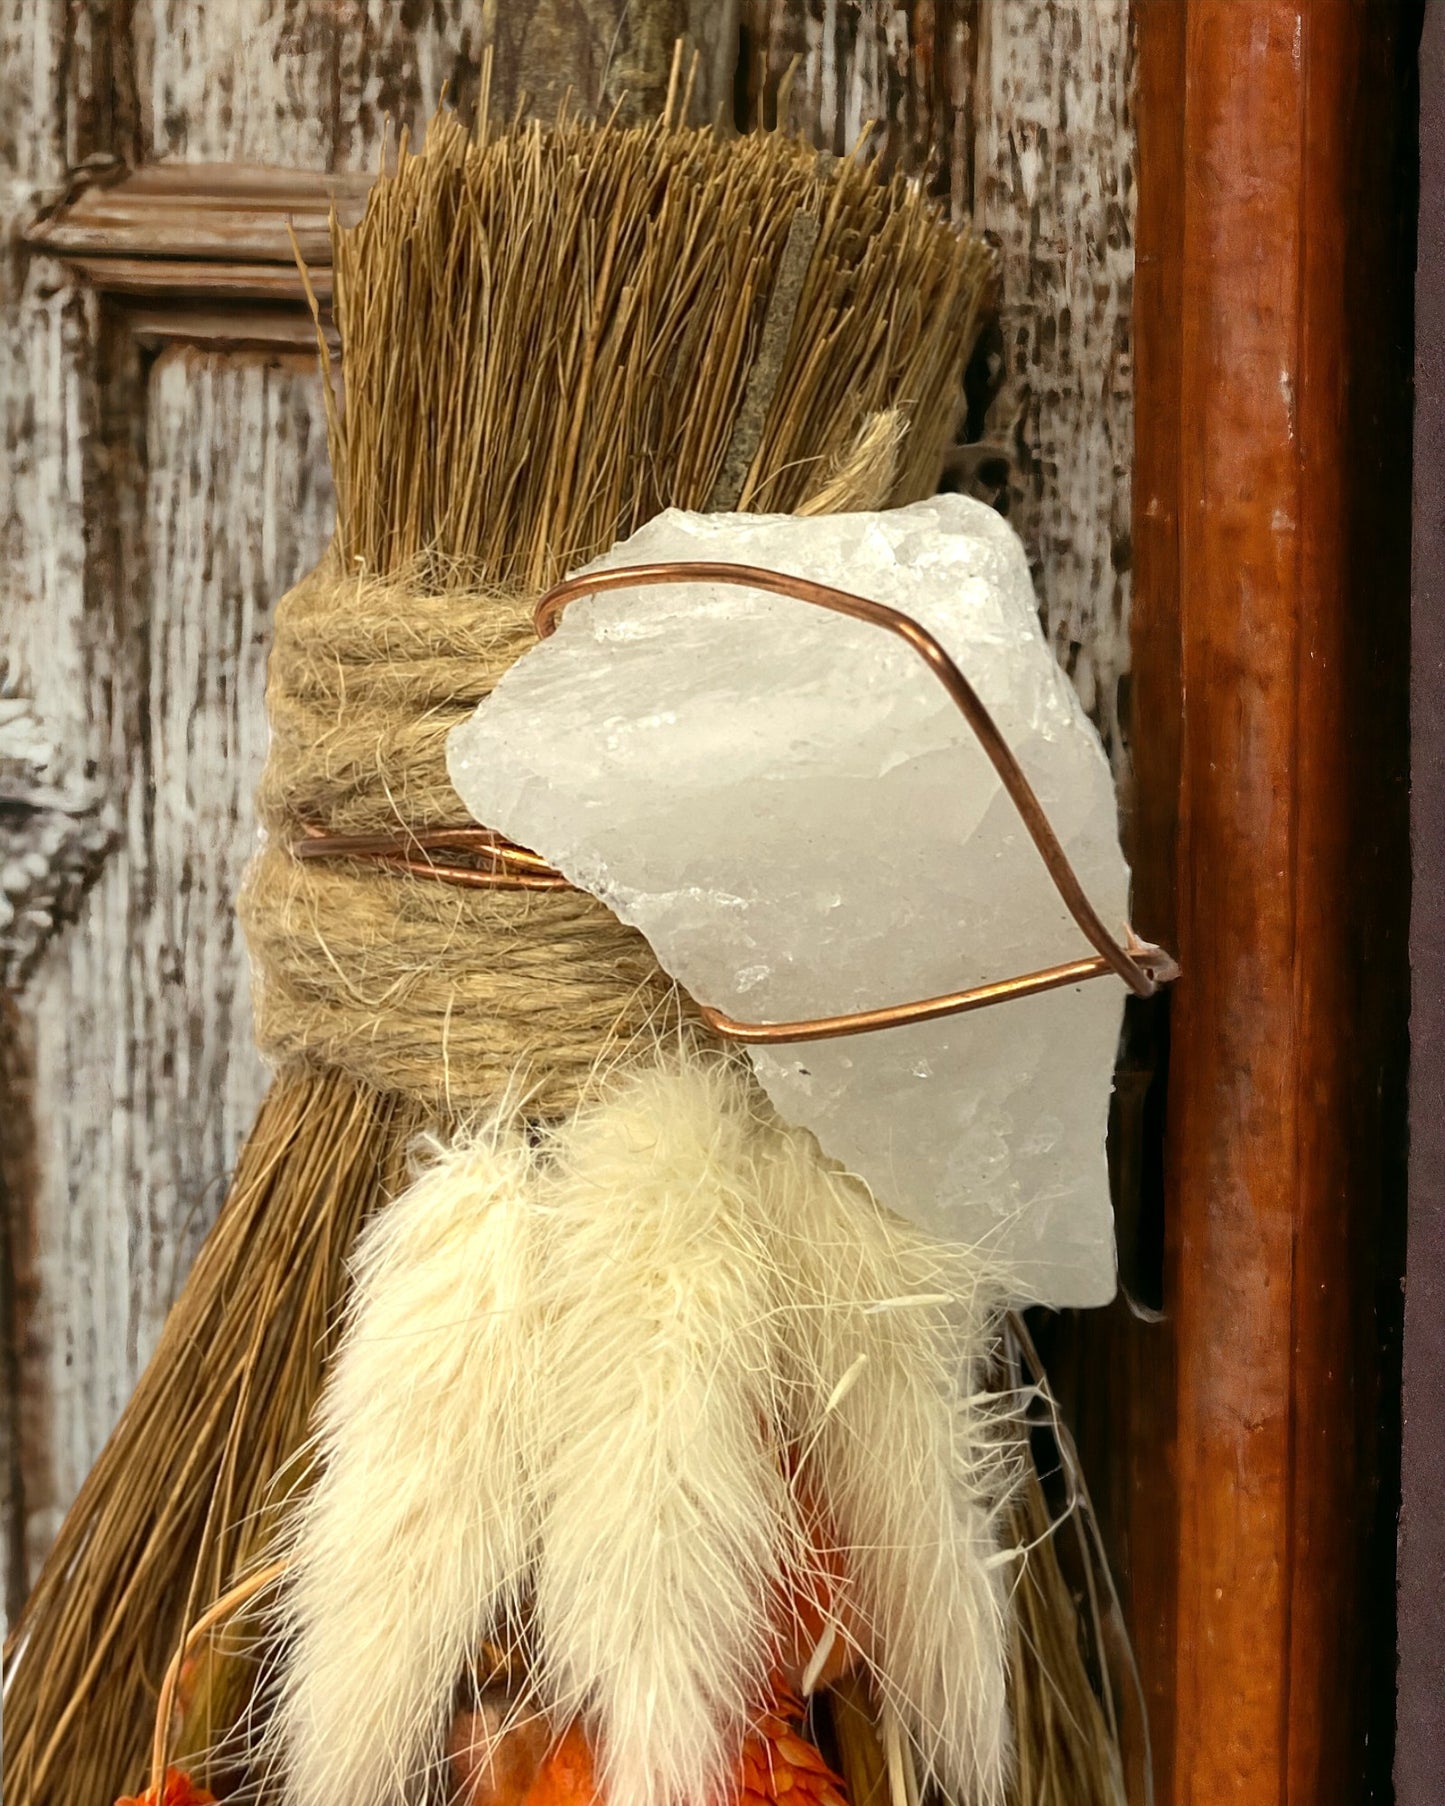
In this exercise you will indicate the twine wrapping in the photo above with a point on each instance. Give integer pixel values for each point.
(444, 993)
(549, 336)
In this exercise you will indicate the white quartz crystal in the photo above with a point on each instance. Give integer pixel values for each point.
(794, 813)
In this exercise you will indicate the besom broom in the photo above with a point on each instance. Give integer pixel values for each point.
(548, 336)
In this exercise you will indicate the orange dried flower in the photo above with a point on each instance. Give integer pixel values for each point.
(779, 1764)
(179, 1790)
(523, 1766)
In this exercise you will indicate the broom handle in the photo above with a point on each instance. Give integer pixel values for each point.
(240, 1594)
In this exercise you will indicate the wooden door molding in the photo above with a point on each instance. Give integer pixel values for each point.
(194, 253)
(204, 251)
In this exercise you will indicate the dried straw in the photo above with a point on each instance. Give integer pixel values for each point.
(1066, 1750)
(167, 1515)
(547, 337)
(545, 345)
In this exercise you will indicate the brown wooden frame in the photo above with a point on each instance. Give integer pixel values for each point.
(1271, 614)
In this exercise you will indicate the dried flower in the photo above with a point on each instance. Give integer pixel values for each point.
(179, 1790)
(504, 1758)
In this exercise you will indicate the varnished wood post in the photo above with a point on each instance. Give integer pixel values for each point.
(1276, 425)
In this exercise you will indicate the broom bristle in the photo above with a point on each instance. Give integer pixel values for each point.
(168, 1515)
(547, 337)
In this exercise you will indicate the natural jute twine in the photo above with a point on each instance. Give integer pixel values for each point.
(448, 994)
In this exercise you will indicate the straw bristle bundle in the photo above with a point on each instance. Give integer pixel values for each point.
(1066, 1741)
(187, 1488)
(547, 336)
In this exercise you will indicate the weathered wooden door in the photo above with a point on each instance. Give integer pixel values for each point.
(165, 481)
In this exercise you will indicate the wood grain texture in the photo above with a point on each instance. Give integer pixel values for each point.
(143, 1007)
(51, 831)
(1287, 1057)
(833, 70)
(1236, 1122)
(280, 82)
(218, 211)
(312, 86)
(191, 279)
(1054, 182)
(1019, 115)
(16, 1188)
(47, 399)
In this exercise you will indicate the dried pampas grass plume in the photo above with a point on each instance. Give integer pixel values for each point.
(670, 1387)
(668, 1530)
(892, 1337)
(416, 1539)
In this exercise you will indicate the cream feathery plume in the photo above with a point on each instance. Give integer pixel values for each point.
(902, 1454)
(415, 1540)
(668, 1525)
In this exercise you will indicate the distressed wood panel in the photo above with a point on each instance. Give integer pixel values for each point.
(306, 86)
(145, 1077)
(52, 822)
(311, 84)
(15, 1184)
(831, 68)
(1054, 183)
(52, 666)
(1019, 115)
(53, 825)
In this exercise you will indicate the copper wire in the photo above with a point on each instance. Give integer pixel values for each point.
(503, 865)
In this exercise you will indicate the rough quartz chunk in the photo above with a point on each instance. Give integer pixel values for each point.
(791, 809)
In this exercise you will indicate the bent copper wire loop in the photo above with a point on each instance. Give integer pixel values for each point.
(1142, 966)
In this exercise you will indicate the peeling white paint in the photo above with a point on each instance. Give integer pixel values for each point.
(141, 650)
